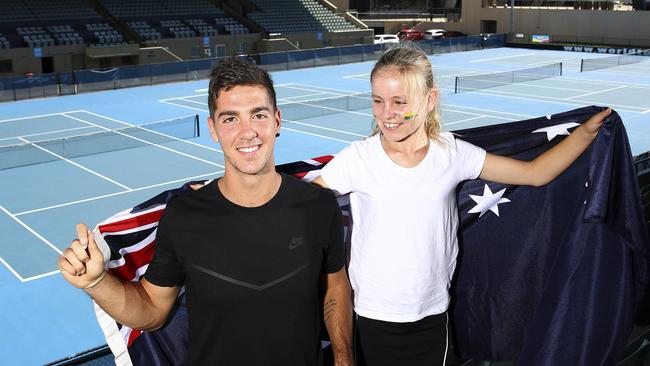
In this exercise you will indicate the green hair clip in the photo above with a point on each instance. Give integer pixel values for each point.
(408, 115)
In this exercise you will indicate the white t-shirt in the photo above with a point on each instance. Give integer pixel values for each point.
(404, 242)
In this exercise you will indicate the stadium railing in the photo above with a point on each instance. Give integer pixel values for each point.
(80, 81)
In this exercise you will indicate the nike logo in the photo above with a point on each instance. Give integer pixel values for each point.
(296, 242)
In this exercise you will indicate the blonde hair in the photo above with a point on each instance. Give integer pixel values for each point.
(417, 76)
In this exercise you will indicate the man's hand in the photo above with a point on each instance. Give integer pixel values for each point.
(82, 264)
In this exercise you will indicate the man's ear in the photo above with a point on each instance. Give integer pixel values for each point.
(213, 129)
(278, 121)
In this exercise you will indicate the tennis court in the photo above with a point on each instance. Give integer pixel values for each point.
(84, 157)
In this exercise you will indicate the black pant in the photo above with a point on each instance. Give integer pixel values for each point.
(421, 343)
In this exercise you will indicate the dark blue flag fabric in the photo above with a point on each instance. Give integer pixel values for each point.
(547, 275)
(551, 275)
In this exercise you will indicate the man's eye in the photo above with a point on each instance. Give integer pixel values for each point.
(259, 116)
(229, 120)
(376, 101)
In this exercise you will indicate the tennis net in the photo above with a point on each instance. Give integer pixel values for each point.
(44, 151)
(485, 81)
(590, 64)
(324, 107)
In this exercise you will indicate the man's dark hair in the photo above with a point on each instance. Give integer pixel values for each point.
(237, 72)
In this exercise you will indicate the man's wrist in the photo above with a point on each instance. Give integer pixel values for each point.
(95, 282)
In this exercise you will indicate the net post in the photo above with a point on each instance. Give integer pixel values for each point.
(197, 126)
(582, 64)
(560, 68)
(456, 85)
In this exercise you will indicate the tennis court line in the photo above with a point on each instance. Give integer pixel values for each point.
(304, 95)
(600, 82)
(145, 141)
(502, 57)
(76, 164)
(45, 133)
(318, 88)
(42, 275)
(206, 89)
(12, 270)
(194, 101)
(184, 106)
(181, 97)
(37, 116)
(598, 91)
(183, 180)
(365, 76)
(490, 110)
(314, 134)
(538, 98)
(465, 120)
(21, 223)
(324, 128)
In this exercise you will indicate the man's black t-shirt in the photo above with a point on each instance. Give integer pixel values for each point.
(251, 275)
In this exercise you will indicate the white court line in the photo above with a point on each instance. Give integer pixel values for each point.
(465, 120)
(75, 164)
(314, 134)
(196, 101)
(488, 110)
(316, 88)
(42, 275)
(175, 98)
(324, 128)
(187, 179)
(145, 141)
(19, 221)
(360, 76)
(502, 57)
(547, 99)
(13, 271)
(598, 91)
(47, 133)
(184, 106)
(606, 82)
(304, 95)
(37, 116)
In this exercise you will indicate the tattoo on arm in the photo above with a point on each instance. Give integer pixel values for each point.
(329, 308)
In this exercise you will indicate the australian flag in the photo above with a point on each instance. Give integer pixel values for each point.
(549, 275)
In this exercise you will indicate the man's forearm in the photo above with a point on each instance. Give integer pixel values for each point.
(127, 302)
(337, 312)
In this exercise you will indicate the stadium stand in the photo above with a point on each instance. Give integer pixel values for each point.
(104, 35)
(285, 16)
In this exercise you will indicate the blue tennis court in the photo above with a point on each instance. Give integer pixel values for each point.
(85, 157)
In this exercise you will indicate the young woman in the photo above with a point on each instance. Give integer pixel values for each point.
(402, 182)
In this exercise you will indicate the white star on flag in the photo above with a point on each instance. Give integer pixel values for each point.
(561, 129)
(488, 201)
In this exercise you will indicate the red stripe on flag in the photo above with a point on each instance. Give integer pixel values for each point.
(133, 335)
(300, 175)
(132, 222)
(324, 159)
(133, 261)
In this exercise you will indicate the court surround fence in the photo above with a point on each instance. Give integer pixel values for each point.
(81, 81)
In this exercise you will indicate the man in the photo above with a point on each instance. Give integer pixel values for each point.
(251, 248)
